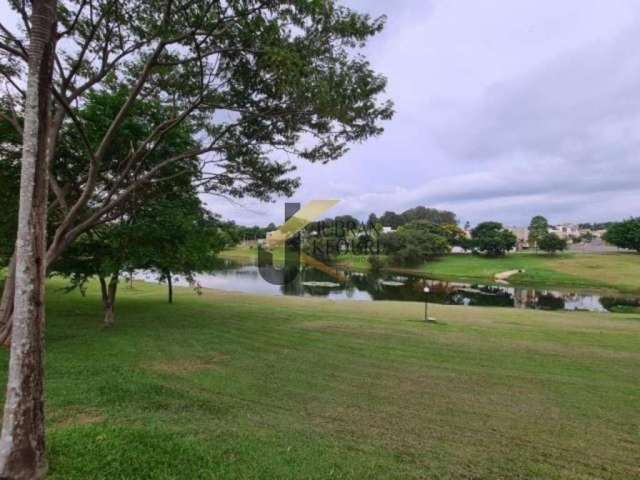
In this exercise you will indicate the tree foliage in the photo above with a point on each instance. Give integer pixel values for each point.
(551, 243)
(493, 239)
(538, 228)
(413, 243)
(254, 81)
(625, 234)
(417, 214)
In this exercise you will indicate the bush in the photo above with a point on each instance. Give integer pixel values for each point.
(376, 263)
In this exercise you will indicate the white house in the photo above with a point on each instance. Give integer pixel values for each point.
(565, 230)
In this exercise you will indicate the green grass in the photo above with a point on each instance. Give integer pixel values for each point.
(231, 386)
(617, 270)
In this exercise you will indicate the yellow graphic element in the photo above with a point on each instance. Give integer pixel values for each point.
(303, 217)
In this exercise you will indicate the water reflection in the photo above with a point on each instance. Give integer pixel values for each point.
(366, 286)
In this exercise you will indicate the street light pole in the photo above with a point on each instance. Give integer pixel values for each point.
(426, 304)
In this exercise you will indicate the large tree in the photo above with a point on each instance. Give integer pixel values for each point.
(625, 234)
(177, 236)
(492, 238)
(552, 243)
(414, 243)
(538, 228)
(254, 79)
(22, 453)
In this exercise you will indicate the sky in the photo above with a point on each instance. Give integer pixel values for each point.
(504, 110)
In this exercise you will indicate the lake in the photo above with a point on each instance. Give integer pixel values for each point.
(354, 285)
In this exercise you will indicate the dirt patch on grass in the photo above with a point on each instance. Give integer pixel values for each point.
(83, 417)
(187, 365)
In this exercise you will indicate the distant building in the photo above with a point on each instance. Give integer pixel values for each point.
(388, 230)
(593, 233)
(522, 237)
(565, 230)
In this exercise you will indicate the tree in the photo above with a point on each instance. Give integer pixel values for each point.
(493, 239)
(455, 235)
(247, 77)
(178, 237)
(552, 243)
(429, 215)
(22, 452)
(104, 252)
(413, 244)
(173, 235)
(625, 234)
(538, 228)
(391, 219)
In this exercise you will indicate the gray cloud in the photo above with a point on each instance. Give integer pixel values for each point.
(504, 110)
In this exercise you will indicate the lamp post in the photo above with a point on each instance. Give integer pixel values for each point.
(426, 304)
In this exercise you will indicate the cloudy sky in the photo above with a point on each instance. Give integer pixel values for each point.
(504, 109)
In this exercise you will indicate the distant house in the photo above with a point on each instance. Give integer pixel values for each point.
(388, 230)
(522, 237)
(593, 233)
(565, 230)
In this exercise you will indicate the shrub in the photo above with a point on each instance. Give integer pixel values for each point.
(376, 263)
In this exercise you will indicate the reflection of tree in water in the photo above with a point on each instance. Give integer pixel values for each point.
(549, 301)
(482, 296)
(619, 303)
(224, 265)
(310, 274)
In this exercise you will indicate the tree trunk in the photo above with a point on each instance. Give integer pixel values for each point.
(22, 452)
(109, 292)
(170, 286)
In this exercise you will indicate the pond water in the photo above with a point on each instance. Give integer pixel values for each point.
(354, 285)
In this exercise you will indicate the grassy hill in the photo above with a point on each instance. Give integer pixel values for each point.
(234, 386)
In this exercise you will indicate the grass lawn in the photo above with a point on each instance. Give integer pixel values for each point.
(618, 270)
(234, 386)
(581, 270)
